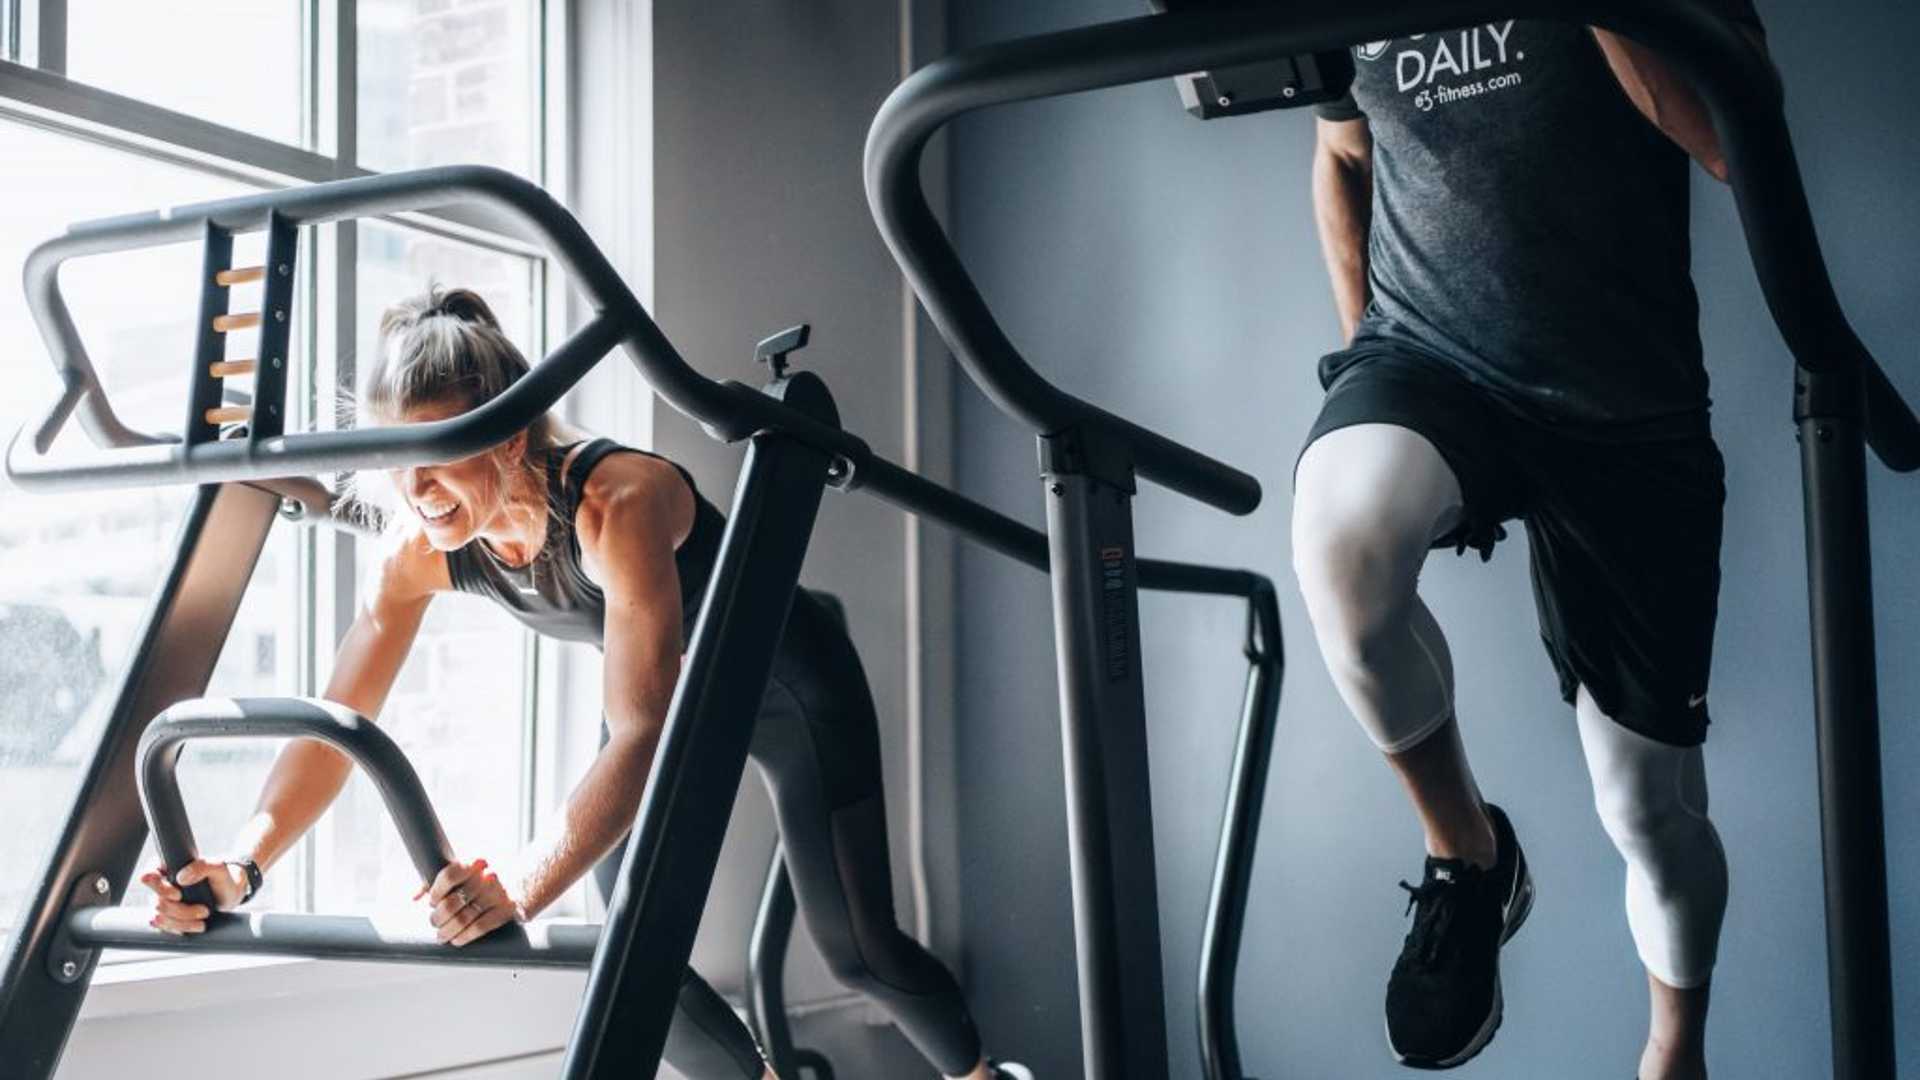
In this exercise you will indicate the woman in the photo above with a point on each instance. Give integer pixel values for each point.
(591, 541)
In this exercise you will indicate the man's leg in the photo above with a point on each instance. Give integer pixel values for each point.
(1369, 500)
(1625, 543)
(1652, 799)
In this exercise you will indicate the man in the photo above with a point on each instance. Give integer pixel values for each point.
(1504, 214)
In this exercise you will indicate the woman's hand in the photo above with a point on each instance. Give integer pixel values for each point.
(468, 902)
(171, 912)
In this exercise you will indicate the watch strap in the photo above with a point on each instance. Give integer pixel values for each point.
(255, 878)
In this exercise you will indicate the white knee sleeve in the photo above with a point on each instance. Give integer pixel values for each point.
(1652, 799)
(1368, 501)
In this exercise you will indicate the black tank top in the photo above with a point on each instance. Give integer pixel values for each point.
(552, 594)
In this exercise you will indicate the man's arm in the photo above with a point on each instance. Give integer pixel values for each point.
(635, 512)
(1666, 99)
(1343, 208)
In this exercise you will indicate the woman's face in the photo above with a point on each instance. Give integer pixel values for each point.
(461, 500)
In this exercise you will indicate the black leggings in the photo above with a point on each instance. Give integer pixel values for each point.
(817, 743)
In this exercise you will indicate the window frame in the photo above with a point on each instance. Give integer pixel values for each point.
(9, 29)
(35, 90)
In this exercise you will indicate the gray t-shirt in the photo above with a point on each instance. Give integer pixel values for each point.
(1530, 226)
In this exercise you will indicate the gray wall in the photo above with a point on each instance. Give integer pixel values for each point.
(1169, 269)
(760, 112)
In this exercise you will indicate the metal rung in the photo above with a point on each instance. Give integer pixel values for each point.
(227, 369)
(232, 414)
(226, 324)
(240, 275)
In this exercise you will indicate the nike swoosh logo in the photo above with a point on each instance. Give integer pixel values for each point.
(1696, 701)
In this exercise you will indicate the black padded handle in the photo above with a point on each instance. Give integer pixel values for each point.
(268, 718)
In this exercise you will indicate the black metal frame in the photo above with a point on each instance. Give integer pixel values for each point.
(796, 449)
(1844, 398)
(91, 926)
(766, 977)
(1233, 858)
(184, 629)
(257, 718)
(1239, 832)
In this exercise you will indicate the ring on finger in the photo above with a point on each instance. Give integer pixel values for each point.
(465, 896)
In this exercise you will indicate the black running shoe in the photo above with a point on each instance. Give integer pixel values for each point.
(1443, 998)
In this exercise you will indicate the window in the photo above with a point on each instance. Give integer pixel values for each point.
(442, 83)
(9, 30)
(76, 570)
(254, 93)
(234, 62)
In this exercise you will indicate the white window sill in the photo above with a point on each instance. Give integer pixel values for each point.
(172, 983)
(349, 1019)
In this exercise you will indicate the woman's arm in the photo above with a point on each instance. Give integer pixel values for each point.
(635, 511)
(309, 774)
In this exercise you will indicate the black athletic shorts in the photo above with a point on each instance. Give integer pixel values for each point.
(1624, 536)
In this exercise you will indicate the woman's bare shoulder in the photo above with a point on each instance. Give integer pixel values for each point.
(634, 493)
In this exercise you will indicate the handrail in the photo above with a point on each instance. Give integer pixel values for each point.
(268, 718)
(346, 937)
(306, 453)
(1245, 801)
(1891, 428)
(730, 411)
(1736, 79)
(403, 938)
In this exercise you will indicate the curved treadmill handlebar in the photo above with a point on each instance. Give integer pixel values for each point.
(407, 939)
(130, 457)
(281, 718)
(1739, 84)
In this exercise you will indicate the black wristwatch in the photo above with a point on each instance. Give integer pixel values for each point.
(254, 877)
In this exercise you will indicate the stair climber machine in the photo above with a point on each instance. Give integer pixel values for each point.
(1234, 58)
(249, 470)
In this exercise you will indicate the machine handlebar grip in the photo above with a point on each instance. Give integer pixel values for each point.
(267, 718)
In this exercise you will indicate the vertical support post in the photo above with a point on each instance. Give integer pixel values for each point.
(210, 345)
(1847, 720)
(50, 36)
(656, 906)
(172, 658)
(767, 966)
(1096, 618)
(276, 331)
(1239, 833)
(10, 30)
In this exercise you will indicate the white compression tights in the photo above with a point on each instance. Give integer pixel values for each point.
(1368, 502)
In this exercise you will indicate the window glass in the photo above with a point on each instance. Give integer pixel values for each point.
(397, 263)
(220, 779)
(440, 81)
(456, 711)
(458, 707)
(76, 570)
(136, 312)
(234, 62)
(445, 83)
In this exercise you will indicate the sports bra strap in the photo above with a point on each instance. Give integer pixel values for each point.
(575, 481)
